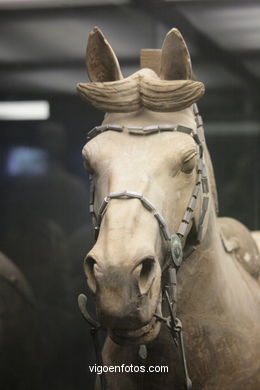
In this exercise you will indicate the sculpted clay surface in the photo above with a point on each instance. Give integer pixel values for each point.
(218, 284)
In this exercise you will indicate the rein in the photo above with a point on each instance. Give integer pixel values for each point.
(178, 247)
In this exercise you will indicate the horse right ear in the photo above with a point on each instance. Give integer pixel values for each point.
(175, 58)
(101, 61)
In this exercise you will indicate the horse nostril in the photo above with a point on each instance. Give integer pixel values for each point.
(146, 274)
(89, 264)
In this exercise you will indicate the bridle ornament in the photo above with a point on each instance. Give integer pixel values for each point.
(178, 248)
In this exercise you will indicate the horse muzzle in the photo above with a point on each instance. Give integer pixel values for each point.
(142, 335)
(127, 297)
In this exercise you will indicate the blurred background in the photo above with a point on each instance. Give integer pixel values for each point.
(44, 227)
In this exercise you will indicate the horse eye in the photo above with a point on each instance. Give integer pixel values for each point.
(189, 163)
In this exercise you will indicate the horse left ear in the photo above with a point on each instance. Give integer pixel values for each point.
(101, 61)
(175, 59)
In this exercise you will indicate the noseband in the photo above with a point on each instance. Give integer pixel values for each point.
(178, 247)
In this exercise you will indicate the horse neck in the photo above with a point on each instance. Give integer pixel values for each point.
(211, 283)
(196, 270)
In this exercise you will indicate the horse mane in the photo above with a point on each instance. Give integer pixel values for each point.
(142, 89)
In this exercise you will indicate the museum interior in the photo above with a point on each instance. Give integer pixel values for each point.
(45, 228)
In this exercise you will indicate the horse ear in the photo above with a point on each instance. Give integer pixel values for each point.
(101, 61)
(175, 59)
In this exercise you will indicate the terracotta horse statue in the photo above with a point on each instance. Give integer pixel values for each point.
(154, 205)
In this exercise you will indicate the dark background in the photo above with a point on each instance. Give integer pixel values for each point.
(45, 227)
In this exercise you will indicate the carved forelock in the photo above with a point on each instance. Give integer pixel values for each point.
(142, 89)
(172, 91)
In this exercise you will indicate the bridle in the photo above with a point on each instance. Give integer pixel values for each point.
(178, 247)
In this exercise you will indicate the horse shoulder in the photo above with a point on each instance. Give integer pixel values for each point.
(241, 244)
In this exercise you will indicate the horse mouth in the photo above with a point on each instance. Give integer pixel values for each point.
(144, 334)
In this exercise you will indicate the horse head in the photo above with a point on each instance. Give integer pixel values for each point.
(148, 165)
